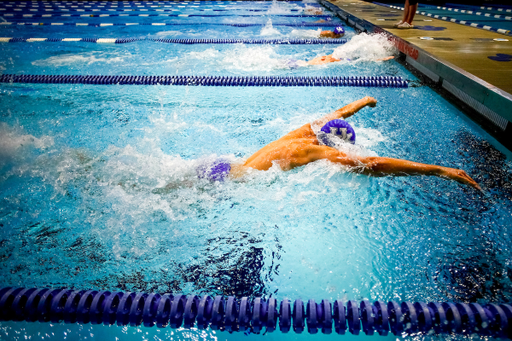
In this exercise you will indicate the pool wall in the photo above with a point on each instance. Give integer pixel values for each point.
(490, 103)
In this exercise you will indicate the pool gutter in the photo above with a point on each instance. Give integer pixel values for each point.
(490, 103)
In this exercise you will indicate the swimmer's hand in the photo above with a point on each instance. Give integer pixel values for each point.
(460, 176)
(371, 102)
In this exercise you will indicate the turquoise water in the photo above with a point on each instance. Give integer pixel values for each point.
(98, 187)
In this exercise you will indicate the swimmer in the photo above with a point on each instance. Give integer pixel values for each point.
(293, 64)
(313, 10)
(330, 59)
(327, 19)
(303, 146)
(338, 32)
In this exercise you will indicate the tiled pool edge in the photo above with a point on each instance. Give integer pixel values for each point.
(491, 103)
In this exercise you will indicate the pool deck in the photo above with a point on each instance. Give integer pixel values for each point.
(454, 56)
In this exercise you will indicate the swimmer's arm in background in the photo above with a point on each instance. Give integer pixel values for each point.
(384, 59)
(322, 60)
(347, 110)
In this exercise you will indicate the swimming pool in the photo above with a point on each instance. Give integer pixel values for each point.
(85, 170)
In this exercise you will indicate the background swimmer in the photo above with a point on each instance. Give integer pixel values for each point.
(338, 32)
(301, 146)
(313, 10)
(293, 64)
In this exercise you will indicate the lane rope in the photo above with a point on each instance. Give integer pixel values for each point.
(303, 24)
(254, 314)
(338, 81)
(178, 41)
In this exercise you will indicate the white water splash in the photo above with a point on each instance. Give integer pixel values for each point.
(74, 59)
(255, 58)
(210, 53)
(365, 47)
(306, 33)
(313, 10)
(279, 8)
(269, 30)
(168, 33)
(14, 141)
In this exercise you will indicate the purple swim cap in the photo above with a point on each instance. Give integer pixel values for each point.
(339, 30)
(339, 129)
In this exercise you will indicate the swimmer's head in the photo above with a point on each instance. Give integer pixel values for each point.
(339, 31)
(336, 131)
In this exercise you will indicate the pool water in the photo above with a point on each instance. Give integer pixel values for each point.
(98, 184)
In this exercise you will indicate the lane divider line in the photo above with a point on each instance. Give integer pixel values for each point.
(22, 16)
(303, 24)
(338, 81)
(254, 314)
(179, 41)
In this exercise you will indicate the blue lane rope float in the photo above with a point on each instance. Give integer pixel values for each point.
(303, 24)
(96, 15)
(126, 8)
(179, 41)
(351, 81)
(253, 314)
(206, 2)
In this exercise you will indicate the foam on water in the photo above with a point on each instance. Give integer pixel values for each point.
(365, 47)
(306, 33)
(168, 33)
(313, 10)
(261, 58)
(280, 8)
(14, 142)
(87, 58)
(269, 30)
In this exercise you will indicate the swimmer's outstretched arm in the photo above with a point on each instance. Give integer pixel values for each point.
(382, 166)
(347, 110)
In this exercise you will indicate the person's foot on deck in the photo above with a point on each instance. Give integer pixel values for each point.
(405, 25)
(398, 23)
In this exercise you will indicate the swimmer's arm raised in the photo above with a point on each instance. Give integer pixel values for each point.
(347, 110)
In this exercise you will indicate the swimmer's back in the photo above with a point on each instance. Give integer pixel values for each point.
(284, 150)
